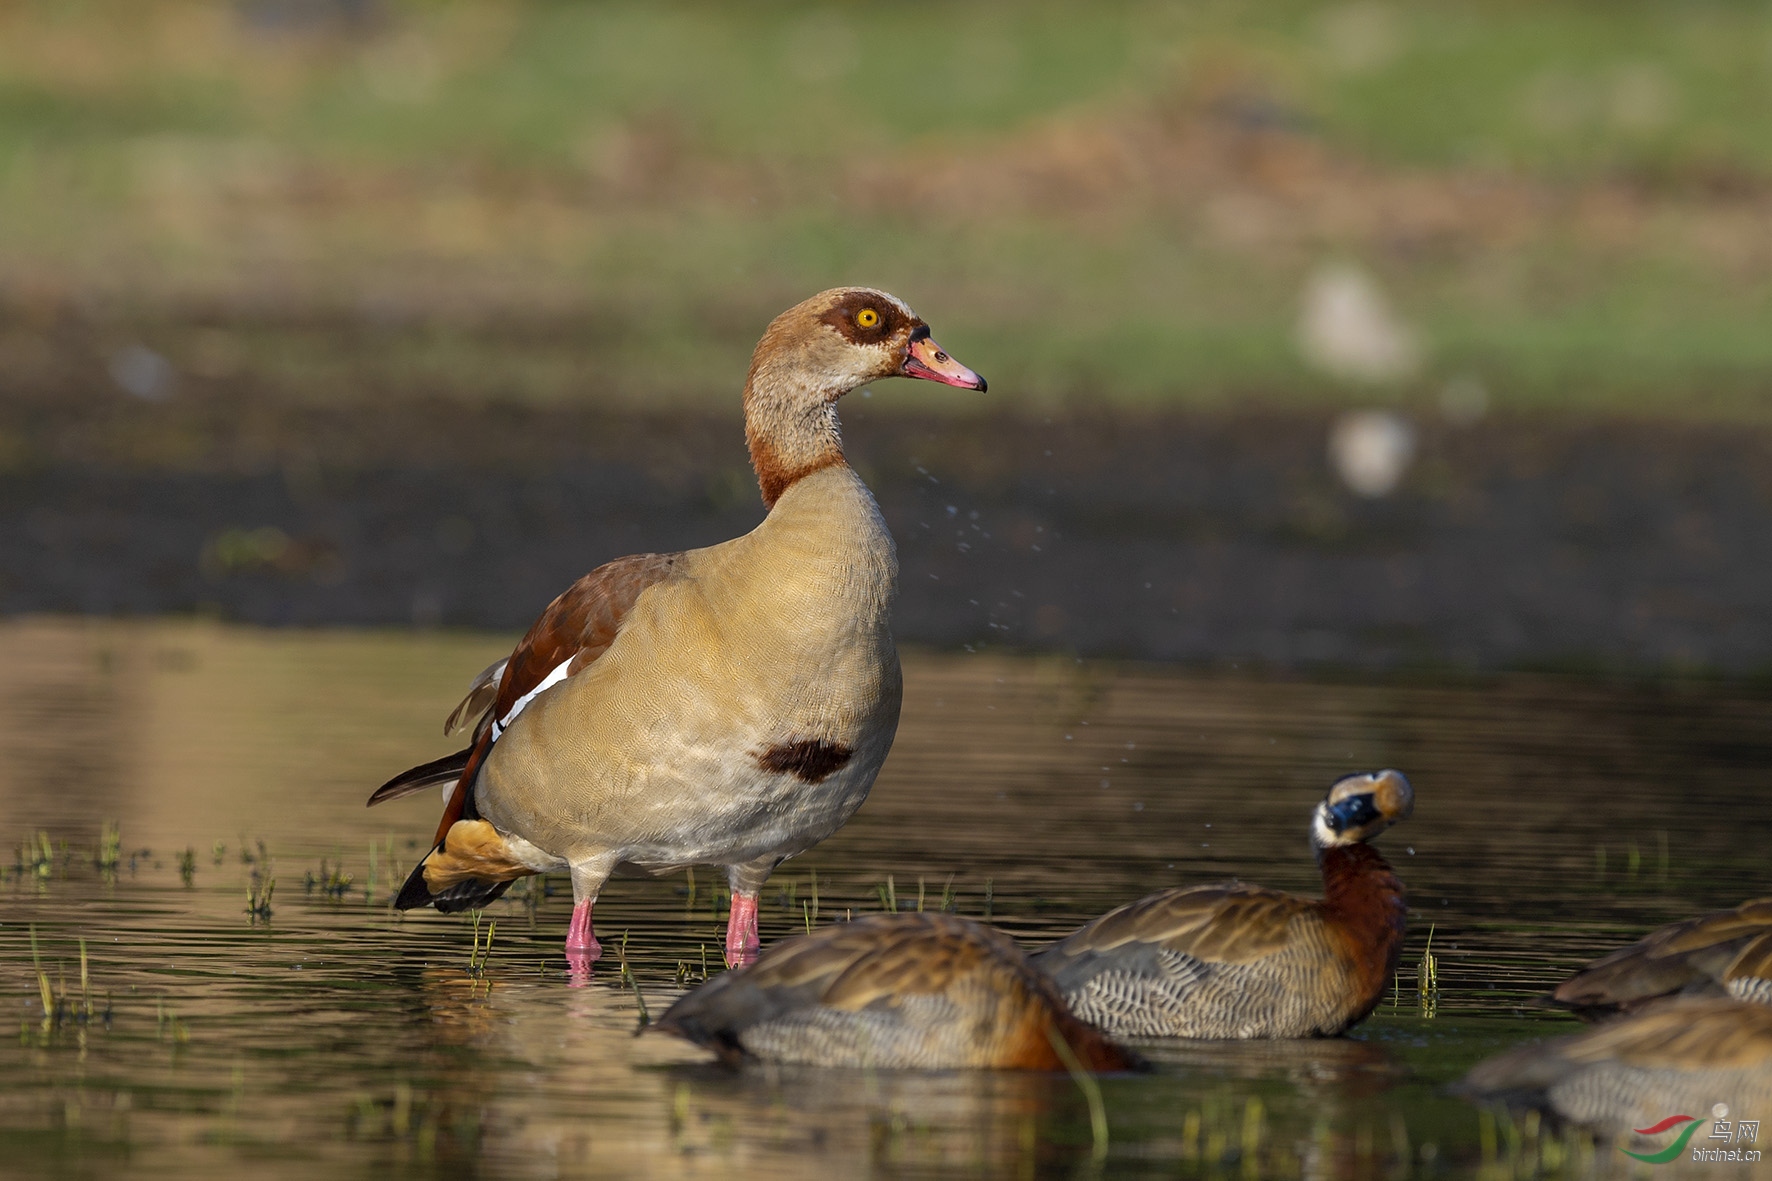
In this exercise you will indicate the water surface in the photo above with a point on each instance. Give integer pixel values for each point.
(1555, 818)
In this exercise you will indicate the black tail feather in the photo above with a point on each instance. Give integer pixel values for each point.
(468, 895)
(415, 893)
(435, 773)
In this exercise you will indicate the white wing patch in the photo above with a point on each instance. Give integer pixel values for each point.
(500, 725)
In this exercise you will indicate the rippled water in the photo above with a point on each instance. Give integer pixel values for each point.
(1555, 818)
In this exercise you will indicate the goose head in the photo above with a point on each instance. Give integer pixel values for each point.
(1359, 807)
(814, 353)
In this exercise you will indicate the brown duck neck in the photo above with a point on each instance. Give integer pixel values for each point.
(792, 430)
(1364, 901)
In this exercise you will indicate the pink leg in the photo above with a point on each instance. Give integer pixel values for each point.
(742, 943)
(582, 948)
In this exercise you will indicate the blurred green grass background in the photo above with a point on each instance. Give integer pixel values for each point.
(1564, 204)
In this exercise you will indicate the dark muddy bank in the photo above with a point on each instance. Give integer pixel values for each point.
(1221, 538)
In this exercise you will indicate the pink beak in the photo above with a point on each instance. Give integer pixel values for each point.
(925, 359)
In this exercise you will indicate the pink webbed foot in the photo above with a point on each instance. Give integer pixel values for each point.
(582, 948)
(742, 943)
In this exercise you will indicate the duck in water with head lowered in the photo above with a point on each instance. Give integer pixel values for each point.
(1239, 961)
(1661, 1066)
(729, 705)
(908, 991)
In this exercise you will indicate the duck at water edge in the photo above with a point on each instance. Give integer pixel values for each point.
(1240, 961)
(727, 706)
(893, 991)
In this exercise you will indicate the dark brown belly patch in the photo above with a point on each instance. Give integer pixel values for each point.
(810, 760)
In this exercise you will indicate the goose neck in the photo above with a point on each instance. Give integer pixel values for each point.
(792, 430)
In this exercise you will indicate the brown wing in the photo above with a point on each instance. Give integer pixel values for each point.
(889, 958)
(1695, 956)
(794, 976)
(1691, 1034)
(1231, 924)
(581, 624)
(914, 955)
(578, 626)
(850, 965)
(1750, 974)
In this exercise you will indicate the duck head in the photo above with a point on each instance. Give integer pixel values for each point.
(814, 353)
(1359, 807)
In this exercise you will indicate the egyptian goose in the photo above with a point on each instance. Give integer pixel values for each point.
(1728, 952)
(727, 706)
(1237, 961)
(892, 991)
(1651, 1072)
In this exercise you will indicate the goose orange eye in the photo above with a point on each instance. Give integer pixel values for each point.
(867, 318)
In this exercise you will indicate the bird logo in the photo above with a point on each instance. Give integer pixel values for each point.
(1672, 1150)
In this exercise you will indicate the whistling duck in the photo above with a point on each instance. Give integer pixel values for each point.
(727, 706)
(1726, 952)
(1670, 1063)
(1237, 961)
(892, 991)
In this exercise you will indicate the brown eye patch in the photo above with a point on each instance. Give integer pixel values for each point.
(864, 318)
